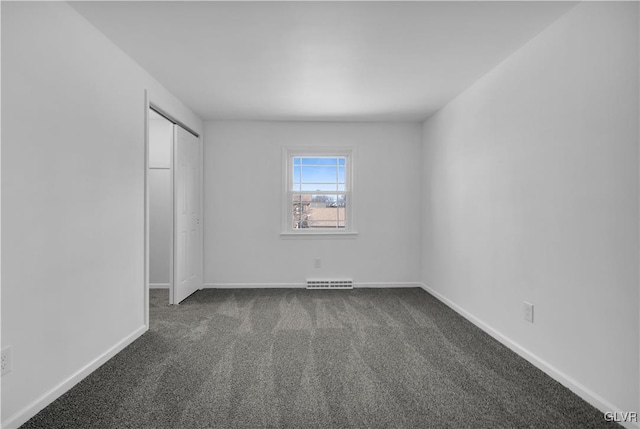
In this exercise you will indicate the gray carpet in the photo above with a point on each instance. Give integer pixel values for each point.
(366, 358)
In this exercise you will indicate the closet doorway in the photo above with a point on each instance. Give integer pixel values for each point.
(175, 207)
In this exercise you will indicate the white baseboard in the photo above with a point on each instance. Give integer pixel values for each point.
(158, 285)
(36, 406)
(576, 387)
(253, 285)
(390, 285)
(303, 285)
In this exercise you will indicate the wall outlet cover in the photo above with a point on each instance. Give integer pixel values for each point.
(5, 360)
(528, 311)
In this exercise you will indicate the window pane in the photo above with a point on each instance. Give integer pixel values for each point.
(341, 202)
(296, 174)
(318, 174)
(300, 206)
(322, 200)
(341, 175)
(296, 161)
(319, 161)
(318, 211)
(341, 161)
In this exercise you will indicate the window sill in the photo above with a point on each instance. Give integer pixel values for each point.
(318, 235)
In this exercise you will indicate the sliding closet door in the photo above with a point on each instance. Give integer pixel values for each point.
(188, 214)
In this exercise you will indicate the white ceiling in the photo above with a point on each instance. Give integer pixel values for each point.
(333, 61)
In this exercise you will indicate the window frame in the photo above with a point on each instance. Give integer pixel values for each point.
(288, 155)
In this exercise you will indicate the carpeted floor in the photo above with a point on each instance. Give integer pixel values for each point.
(365, 358)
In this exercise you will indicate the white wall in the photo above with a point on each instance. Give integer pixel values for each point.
(243, 191)
(160, 205)
(531, 194)
(72, 189)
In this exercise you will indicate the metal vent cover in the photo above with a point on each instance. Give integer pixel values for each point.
(329, 284)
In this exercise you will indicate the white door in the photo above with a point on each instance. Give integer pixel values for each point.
(187, 229)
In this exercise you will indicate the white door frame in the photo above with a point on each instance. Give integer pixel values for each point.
(149, 104)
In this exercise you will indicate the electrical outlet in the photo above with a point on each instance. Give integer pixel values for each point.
(317, 263)
(5, 360)
(528, 311)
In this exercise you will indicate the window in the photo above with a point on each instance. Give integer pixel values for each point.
(318, 192)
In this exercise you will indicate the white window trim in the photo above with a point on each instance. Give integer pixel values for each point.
(288, 153)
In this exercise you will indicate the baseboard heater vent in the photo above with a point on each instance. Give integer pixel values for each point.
(329, 284)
